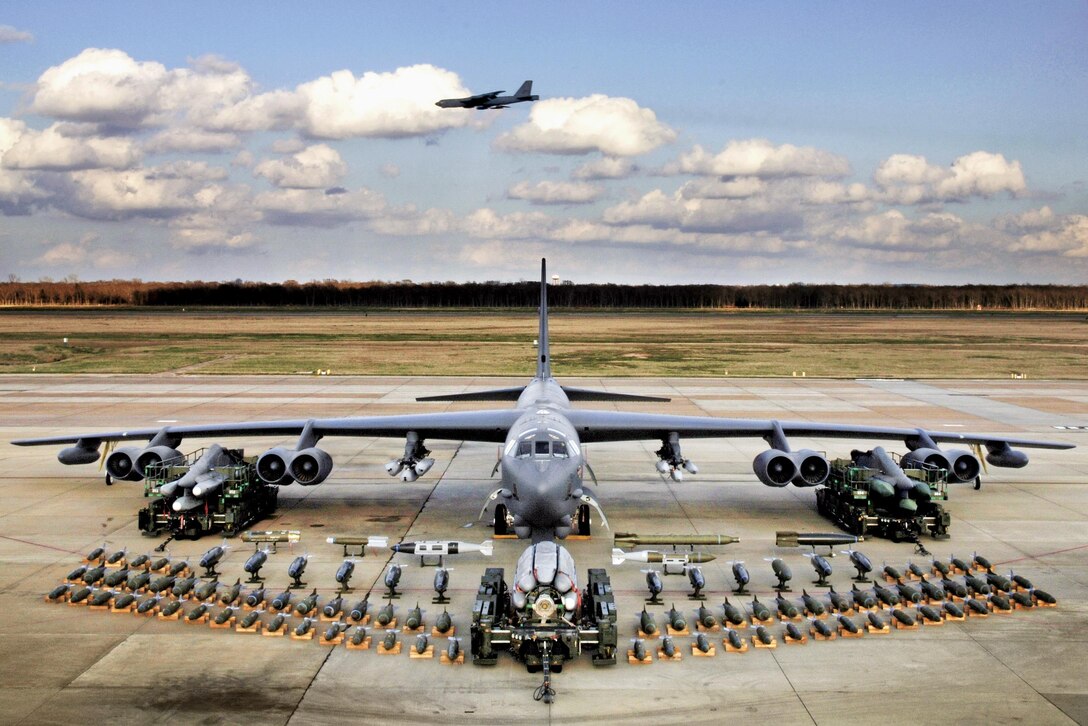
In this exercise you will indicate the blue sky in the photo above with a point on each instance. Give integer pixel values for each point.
(693, 142)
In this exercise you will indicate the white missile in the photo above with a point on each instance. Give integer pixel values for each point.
(667, 559)
(442, 547)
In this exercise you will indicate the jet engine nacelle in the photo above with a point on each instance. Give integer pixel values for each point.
(774, 468)
(121, 464)
(79, 454)
(812, 468)
(155, 455)
(311, 466)
(961, 465)
(273, 466)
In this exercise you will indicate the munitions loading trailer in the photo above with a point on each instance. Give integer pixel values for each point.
(543, 645)
(242, 500)
(846, 500)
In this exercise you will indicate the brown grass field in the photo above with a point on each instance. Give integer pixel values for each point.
(480, 342)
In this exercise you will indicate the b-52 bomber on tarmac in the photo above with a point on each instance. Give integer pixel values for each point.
(542, 494)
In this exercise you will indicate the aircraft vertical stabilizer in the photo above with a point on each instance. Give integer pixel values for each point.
(544, 363)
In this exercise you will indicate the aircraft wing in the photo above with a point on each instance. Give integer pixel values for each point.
(458, 426)
(597, 426)
(482, 97)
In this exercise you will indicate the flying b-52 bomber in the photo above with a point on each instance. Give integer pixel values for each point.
(542, 462)
(491, 100)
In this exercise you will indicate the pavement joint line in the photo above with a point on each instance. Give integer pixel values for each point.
(785, 675)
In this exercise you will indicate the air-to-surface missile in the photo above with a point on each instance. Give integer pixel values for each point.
(675, 618)
(385, 615)
(814, 606)
(740, 574)
(296, 569)
(276, 623)
(813, 539)
(304, 627)
(139, 561)
(956, 588)
(998, 582)
(759, 610)
(702, 643)
(115, 578)
(272, 537)
(307, 604)
(358, 610)
(847, 624)
(630, 539)
(255, 597)
(1000, 602)
(183, 586)
(96, 554)
(976, 606)
(159, 564)
(1020, 581)
(344, 573)
(147, 605)
(392, 579)
(653, 584)
(442, 547)
(94, 575)
(953, 609)
(444, 623)
(933, 592)
(786, 609)
(200, 480)
(915, 571)
(333, 632)
(822, 629)
(892, 482)
(281, 601)
(794, 633)
(674, 560)
(161, 584)
(100, 598)
(930, 613)
(731, 613)
(763, 635)
(453, 649)
(958, 564)
(389, 642)
(441, 584)
(77, 574)
(908, 593)
(230, 596)
(249, 619)
(839, 601)
(668, 646)
(638, 649)
(171, 607)
(358, 636)
(58, 592)
(783, 573)
(822, 568)
(733, 638)
(904, 618)
(176, 568)
(122, 601)
(333, 607)
(886, 596)
(646, 622)
(254, 564)
(705, 617)
(80, 594)
(198, 612)
(137, 579)
(876, 621)
(862, 599)
(207, 590)
(976, 585)
(892, 574)
(1043, 596)
(982, 562)
(414, 618)
(211, 558)
(861, 563)
(223, 616)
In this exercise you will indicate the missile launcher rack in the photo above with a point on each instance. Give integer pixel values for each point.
(846, 499)
(242, 500)
(496, 626)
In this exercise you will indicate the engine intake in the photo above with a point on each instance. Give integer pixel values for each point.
(775, 468)
(311, 466)
(273, 466)
(812, 468)
(156, 455)
(121, 464)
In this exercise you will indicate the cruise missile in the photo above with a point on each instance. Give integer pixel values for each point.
(433, 548)
(813, 539)
(272, 537)
(630, 539)
(668, 559)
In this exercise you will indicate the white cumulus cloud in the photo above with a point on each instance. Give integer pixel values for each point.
(615, 127)
(315, 167)
(550, 192)
(908, 179)
(760, 158)
(8, 34)
(608, 167)
(53, 150)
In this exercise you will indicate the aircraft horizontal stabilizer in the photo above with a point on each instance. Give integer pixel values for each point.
(492, 394)
(588, 394)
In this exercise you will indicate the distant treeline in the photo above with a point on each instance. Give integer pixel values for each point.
(336, 293)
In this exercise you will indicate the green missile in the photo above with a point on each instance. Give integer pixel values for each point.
(627, 539)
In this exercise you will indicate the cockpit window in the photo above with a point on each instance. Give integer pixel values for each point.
(525, 448)
(541, 448)
(559, 448)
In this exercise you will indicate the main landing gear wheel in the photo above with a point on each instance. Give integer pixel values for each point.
(501, 525)
(583, 522)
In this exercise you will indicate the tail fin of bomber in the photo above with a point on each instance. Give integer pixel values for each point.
(525, 91)
(543, 363)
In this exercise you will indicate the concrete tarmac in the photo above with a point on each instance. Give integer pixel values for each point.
(65, 664)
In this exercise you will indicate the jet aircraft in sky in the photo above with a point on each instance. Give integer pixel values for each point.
(492, 100)
(542, 460)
